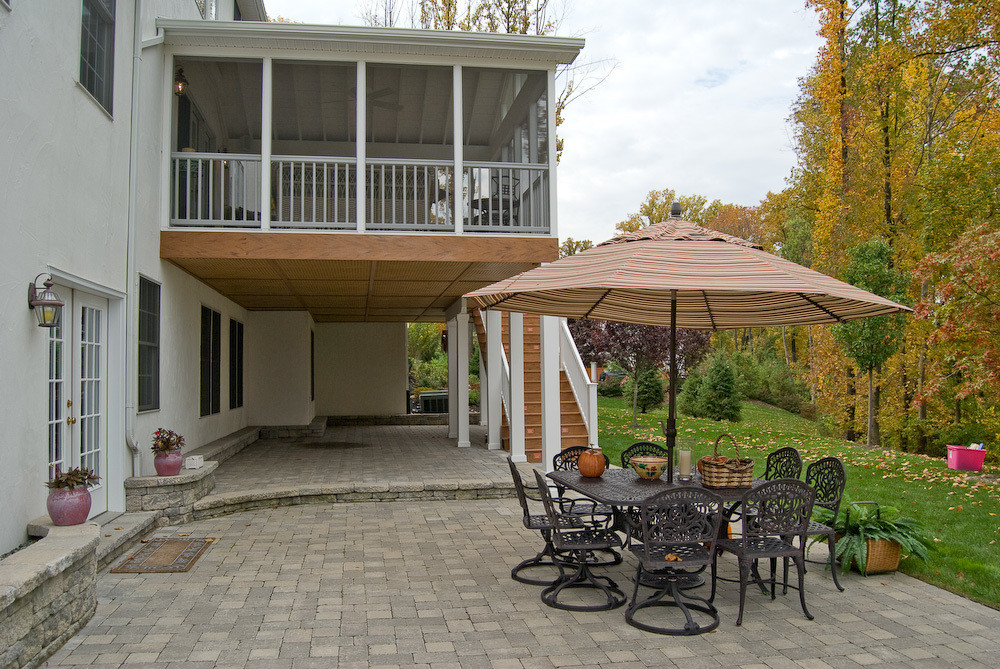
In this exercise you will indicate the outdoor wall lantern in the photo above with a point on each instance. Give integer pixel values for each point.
(45, 302)
(180, 83)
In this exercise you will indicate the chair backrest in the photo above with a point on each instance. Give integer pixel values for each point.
(641, 448)
(568, 459)
(681, 516)
(784, 463)
(828, 477)
(550, 507)
(782, 507)
(522, 497)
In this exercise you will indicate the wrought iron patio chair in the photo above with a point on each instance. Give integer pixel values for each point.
(678, 529)
(547, 556)
(828, 478)
(579, 545)
(782, 510)
(568, 460)
(641, 448)
(784, 463)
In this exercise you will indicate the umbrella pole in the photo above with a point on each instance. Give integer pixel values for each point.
(671, 432)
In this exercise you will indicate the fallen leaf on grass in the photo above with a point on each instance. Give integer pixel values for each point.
(959, 575)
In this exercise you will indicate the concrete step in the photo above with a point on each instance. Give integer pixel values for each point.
(120, 532)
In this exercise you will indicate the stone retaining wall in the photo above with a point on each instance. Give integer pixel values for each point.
(47, 592)
(173, 497)
(226, 503)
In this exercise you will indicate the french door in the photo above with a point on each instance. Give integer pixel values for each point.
(78, 369)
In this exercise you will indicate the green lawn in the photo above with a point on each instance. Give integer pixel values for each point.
(961, 513)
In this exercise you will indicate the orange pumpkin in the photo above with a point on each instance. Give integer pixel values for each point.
(591, 463)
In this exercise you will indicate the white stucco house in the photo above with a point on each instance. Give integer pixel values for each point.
(235, 230)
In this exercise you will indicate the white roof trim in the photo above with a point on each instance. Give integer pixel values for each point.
(285, 36)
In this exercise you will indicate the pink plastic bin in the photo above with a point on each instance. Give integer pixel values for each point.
(965, 459)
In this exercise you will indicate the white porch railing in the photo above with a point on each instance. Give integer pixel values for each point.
(215, 189)
(315, 192)
(409, 195)
(584, 389)
(506, 197)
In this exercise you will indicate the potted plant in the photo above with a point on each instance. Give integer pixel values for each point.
(872, 538)
(68, 502)
(167, 457)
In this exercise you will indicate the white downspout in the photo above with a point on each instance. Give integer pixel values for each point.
(131, 317)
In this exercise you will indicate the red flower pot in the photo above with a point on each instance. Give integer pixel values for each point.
(169, 463)
(68, 506)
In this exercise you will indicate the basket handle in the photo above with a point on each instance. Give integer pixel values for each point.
(732, 439)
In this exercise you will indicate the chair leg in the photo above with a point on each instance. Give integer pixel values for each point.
(584, 578)
(774, 565)
(833, 565)
(744, 575)
(800, 564)
(784, 582)
(540, 561)
(714, 572)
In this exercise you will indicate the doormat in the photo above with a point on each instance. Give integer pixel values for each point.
(163, 556)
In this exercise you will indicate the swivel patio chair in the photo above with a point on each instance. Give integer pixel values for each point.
(547, 556)
(568, 460)
(579, 545)
(782, 510)
(828, 478)
(678, 529)
(784, 463)
(641, 448)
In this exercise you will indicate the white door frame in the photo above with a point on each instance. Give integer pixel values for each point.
(114, 351)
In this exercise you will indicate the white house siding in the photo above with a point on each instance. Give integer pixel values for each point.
(277, 372)
(360, 369)
(63, 200)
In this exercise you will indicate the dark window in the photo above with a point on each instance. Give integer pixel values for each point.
(149, 345)
(211, 361)
(235, 364)
(97, 50)
(312, 365)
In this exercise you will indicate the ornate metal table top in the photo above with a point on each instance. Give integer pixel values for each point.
(623, 487)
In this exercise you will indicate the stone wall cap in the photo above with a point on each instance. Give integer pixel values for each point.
(59, 548)
(185, 476)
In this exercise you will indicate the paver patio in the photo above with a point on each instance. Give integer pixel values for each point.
(428, 583)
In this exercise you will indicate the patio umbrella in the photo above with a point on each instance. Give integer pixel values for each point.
(679, 274)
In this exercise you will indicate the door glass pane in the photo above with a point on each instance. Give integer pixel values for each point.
(57, 457)
(90, 389)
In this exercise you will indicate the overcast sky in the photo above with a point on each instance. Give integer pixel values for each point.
(698, 102)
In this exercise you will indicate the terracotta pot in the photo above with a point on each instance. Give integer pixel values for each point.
(68, 506)
(169, 463)
(591, 463)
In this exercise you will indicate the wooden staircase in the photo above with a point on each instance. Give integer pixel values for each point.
(571, 424)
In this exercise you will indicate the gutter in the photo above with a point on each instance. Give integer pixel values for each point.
(131, 288)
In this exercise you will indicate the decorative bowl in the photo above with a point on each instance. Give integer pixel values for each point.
(649, 467)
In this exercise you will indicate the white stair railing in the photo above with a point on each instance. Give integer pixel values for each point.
(584, 389)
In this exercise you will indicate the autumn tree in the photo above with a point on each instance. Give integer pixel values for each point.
(572, 246)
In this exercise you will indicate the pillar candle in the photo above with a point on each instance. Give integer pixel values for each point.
(684, 462)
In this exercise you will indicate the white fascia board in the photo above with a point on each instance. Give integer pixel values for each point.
(544, 50)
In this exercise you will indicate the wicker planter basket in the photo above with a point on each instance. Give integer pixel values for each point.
(883, 555)
(733, 473)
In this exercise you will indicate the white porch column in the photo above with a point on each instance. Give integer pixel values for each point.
(494, 377)
(452, 378)
(265, 144)
(593, 372)
(551, 410)
(550, 99)
(458, 198)
(462, 376)
(483, 383)
(360, 136)
(517, 387)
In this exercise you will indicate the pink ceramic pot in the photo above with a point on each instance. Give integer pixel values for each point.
(68, 506)
(168, 464)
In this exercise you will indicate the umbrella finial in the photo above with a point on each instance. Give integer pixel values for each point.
(675, 210)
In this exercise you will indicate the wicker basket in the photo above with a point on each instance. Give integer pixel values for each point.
(733, 473)
(883, 555)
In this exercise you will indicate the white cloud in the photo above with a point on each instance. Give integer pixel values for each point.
(698, 103)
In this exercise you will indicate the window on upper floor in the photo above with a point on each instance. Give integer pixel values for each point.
(97, 50)
(149, 345)
(211, 361)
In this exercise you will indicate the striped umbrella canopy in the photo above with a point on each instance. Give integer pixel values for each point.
(718, 281)
(679, 274)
